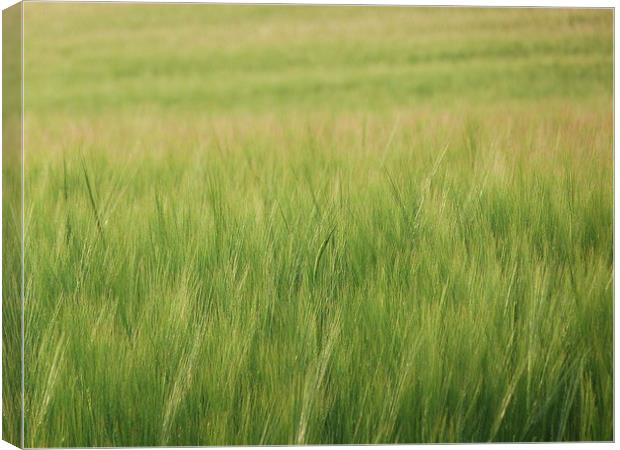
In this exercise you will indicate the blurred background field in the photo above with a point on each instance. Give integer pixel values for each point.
(302, 224)
(215, 58)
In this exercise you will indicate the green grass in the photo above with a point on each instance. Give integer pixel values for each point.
(271, 225)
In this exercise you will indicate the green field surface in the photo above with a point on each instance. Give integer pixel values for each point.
(303, 224)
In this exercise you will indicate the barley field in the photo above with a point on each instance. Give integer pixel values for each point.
(311, 225)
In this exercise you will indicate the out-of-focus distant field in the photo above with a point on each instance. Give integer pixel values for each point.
(211, 59)
(299, 224)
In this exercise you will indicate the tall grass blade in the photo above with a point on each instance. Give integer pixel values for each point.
(91, 197)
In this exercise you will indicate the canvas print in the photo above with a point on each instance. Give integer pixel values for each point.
(287, 225)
